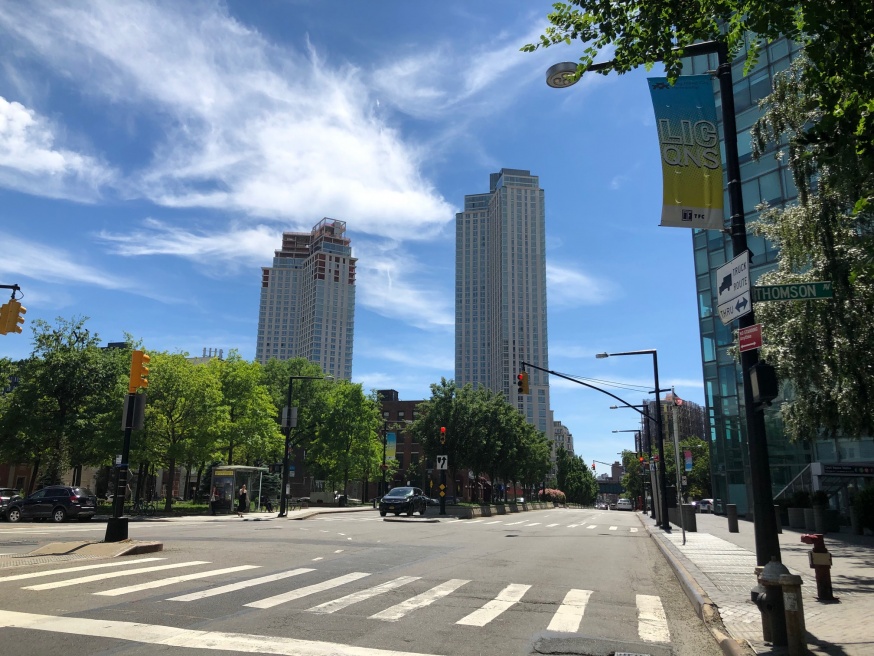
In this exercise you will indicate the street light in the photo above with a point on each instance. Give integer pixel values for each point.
(765, 524)
(283, 493)
(663, 485)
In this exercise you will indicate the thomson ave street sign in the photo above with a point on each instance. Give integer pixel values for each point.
(797, 291)
(733, 294)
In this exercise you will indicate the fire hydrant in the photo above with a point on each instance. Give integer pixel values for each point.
(821, 563)
(768, 596)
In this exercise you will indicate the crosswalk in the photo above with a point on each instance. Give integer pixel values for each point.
(567, 615)
(526, 523)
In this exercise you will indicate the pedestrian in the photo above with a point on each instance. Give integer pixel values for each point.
(212, 499)
(244, 501)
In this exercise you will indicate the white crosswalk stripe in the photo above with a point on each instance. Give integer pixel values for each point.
(117, 592)
(355, 597)
(613, 528)
(569, 615)
(427, 598)
(112, 575)
(505, 599)
(275, 600)
(79, 568)
(233, 587)
(652, 624)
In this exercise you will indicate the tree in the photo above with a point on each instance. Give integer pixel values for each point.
(699, 478)
(185, 404)
(838, 38)
(575, 478)
(66, 409)
(251, 427)
(824, 349)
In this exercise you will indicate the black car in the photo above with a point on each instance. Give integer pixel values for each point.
(403, 499)
(57, 502)
(7, 496)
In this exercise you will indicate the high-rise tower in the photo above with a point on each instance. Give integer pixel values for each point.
(500, 292)
(307, 305)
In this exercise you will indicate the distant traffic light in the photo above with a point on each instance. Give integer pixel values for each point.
(593, 465)
(522, 382)
(139, 371)
(443, 435)
(11, 315)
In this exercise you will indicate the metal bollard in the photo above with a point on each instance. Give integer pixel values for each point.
(821, 562)
(770, 603)
(731, 513)
(796, 632)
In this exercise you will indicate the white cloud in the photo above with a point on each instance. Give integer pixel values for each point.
(30, 160)
(246, 127)
(570, 287)
(43, 262)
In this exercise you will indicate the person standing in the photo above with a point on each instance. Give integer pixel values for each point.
(244, 501)
(212, 499)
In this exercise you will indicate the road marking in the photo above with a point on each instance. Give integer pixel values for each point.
(592, 526)
(112, 575)
(428, 597)
(568, 616)
(514, 523)
(497, 521)
(174, 579)
(613, 528)
(551, 525)
(633, 530)
(510, 595)
(275, 600)
(233, 587)
(533, 524)
(572, 525)
(355, 597)
(67, 570)
(475, 521)
(155, 634)
(652, 625)
(338, 551)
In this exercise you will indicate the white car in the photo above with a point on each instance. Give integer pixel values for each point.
(704, 506)
(624, 504)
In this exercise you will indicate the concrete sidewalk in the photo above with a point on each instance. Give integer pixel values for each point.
(717, 566)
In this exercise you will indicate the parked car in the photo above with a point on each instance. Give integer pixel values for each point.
(57, 502)
(7, 496)
(624, 504)
(704, 506)
(403, 499)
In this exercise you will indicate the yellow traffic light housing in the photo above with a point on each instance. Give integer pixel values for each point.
(11, 316)
(522, 383)
(139, 371)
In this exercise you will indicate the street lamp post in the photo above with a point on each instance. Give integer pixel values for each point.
(283, 493)
(663, 485)
(765, 525)
(384, 467)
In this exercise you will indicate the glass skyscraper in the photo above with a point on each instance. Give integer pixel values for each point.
(500, 292)
(307, 305)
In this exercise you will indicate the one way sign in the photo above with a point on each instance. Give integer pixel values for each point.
(733, 294)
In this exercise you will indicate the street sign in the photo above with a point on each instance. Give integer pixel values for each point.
(750, 338)
(797, 291)
(733, 294)
(442, 462)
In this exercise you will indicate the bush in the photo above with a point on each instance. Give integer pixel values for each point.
(553, 495)
(801, 499)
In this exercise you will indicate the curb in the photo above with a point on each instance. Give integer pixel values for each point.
(704, 607)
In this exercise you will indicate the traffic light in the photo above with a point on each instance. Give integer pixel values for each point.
(11, 315)
(522, 382)
(593, 465)
(139, 371)
(443, 435)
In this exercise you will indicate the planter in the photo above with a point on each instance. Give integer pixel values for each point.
(809, 520)
(796, 517)
(819, 519)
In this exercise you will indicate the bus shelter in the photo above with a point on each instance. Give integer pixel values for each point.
(227, 481)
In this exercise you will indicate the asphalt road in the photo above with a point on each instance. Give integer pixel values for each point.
(559, 581)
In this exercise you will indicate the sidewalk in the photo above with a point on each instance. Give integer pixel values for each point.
(718, 566)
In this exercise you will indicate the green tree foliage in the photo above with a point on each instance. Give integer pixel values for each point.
(838, 38)
(250, 432)
(825, 348)
(575, 478)
(308, 394)
(346, 443)
(699, 478)
(633, 481)
(66, 409)
(184, 407)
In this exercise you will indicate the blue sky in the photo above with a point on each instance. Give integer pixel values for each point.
(151, 154)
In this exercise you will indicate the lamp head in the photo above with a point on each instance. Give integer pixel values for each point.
(561, 75)
(602, 355)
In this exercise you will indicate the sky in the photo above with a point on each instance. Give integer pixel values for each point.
(152, 154)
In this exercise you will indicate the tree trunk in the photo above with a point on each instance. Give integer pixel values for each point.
(168, 501)
(33, 476)
(199, 478)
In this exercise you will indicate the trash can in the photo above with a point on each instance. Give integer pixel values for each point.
(341, 500)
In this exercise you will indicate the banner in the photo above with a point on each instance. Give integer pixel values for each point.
(689, 144)
(391, 441)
